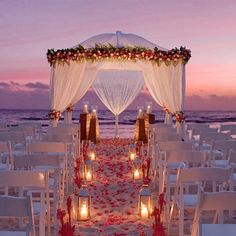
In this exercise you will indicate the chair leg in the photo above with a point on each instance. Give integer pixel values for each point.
(181, 222)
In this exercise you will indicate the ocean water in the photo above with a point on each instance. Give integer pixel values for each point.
(107, 119)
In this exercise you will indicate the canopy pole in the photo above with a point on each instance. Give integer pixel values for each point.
(168, 118)
(117, 126)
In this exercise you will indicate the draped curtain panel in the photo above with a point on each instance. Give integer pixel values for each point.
(117, 89)
(166, 85)
(69, 83)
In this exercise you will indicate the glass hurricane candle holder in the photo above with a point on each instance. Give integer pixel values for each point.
(132, 152)
(137, 169)
(83, 204)
(144, 202)
(88, 170)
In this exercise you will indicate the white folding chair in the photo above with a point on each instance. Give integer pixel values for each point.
(160, 152)
(28, 130)
(227, 127)
(34, 183)
(37, 128)
(17, 207)
(54, 164)
(198, 178)
(207, 139)
(72, 149)
(6, 157)
(221, 150)
(218, 202)
(195, 132)
(166, 137)
(176, 159)
(51, 148)
(17, 139)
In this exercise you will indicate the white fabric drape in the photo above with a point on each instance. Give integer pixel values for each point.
(165, 85)
(69, 83)
(117, 89)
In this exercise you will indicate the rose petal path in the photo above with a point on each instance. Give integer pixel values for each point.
(114, 194)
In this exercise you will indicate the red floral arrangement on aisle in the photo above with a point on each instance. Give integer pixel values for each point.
(179, 116)
(67, 229)
(101, 52)
(77, 179)
(54, 115)
(158, 228)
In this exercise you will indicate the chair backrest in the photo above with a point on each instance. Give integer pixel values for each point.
(164, 137)
(203, 174)
(65, 138)
(175, 145)
(20, 178)
(224, 145)
(68, 130)
(210, 137)
(197, 126)
(38, 160)
(232, 157)
(164, 129)
(233, 131)
(13, 136)
(5, 148)
(189, 157)
(197, 131)
(18, 207)
(41, 147)
(227, 127)
(218, 202)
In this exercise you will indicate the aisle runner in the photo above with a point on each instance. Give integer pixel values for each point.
(114, 195)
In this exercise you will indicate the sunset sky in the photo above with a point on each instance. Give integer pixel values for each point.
(30, 27)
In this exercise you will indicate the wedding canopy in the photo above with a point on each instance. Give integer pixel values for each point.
(117, 65)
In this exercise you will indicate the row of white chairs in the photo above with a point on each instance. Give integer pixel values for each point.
(180, 164)
(53, 154)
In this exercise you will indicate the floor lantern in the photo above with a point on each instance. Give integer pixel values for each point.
(144, 202)
(88, 170)
(83, 204)
(132, 152)
(137, 169)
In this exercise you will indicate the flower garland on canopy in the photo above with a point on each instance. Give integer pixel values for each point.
(54, 115)
(179, 116)
(99, 52)
(69, 108)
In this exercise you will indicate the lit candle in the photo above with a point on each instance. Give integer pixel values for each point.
(84, 212)
(88, 176)
(144, 211)
(94, 112)
(136, 174)
(140, 113)
(148, 109)
(92, 156)
(85, 108)
(132, 156)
